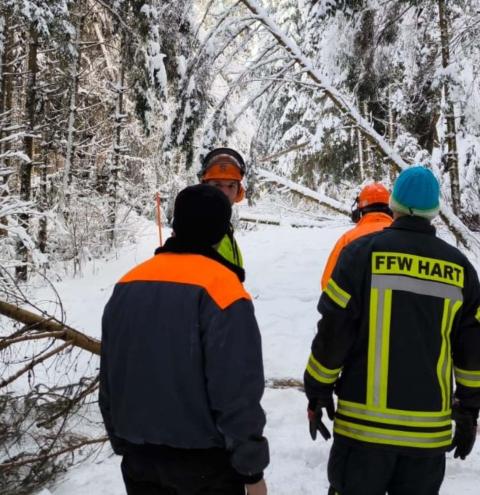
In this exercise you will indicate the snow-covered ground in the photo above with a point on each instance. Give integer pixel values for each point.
(284, 265)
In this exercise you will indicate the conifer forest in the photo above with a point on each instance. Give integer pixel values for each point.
(107, 106)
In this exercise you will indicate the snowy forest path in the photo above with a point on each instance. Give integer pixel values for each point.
(283, 266)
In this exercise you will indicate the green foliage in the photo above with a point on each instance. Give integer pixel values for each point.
(336, 162)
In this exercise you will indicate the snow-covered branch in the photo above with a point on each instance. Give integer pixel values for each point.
(349, 110)
(262, 91)
(320, 198)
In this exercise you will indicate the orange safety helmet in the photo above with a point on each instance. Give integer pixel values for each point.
(224, 164)
(373, 197)
(372, 194)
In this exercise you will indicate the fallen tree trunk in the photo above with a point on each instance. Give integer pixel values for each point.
(42, 324)
(275, 220)
(303, 191)
(43, 404)
(57, 330)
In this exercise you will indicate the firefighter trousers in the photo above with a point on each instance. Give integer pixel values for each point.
(355, 469)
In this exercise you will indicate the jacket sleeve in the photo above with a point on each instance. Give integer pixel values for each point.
(336, 330)
(235, 385)
(466, 344)
(332, 261)
(103, 394)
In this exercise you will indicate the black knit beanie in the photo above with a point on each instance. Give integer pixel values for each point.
(201, 215)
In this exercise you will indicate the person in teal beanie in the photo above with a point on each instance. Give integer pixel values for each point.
(416, 192)
(399, 345)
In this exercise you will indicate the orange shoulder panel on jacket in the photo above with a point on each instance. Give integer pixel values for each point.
(369, 223)
(221, 283)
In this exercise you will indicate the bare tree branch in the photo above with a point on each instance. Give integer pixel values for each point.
(33, 459)
(6, 342)
(32, 363)
(74, 337)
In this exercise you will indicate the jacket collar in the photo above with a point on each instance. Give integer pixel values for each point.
(173, 245)
(374, 216)
(416, 224)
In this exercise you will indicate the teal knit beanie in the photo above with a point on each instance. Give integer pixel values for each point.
(416, 192)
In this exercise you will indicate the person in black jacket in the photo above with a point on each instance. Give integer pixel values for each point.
(400, 316)
(181, 372)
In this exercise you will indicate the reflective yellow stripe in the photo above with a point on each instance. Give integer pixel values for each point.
(447, 369)
(365, 407)
(418, 266)
(467, 378)
(320, 372)
(337, 294)
(370, 434)
(394, 416)
(477, 316)
(372, 346)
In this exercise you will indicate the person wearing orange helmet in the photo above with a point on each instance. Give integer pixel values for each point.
(224, 168)
(371, 213)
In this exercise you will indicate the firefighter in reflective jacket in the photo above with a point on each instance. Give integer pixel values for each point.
(370, 214)
(400, 322)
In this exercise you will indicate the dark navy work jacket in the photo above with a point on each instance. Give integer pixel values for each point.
(181, 360)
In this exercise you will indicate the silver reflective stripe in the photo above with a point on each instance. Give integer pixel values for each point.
(389, 436)
(417, 286)
(328, 376)
(378, 348)
(394, 417)
(467, 376)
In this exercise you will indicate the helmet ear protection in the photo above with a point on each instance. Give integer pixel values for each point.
(240, 194)
(356, 213)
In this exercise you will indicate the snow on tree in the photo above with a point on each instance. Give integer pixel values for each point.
(102, 104)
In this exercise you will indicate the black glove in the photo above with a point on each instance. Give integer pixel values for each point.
(315, 417)
(465, 430)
